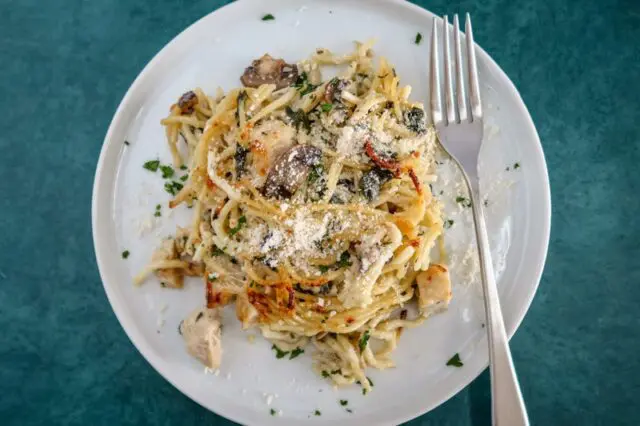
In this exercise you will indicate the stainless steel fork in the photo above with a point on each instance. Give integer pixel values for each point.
(459, 127)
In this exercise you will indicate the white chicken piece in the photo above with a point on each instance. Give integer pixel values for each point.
(202, 333)
(434, 289)
(246, 313)
(168, 277)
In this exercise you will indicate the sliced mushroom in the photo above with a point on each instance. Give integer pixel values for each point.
(202, 333)
(268, 70)
(333, 90)
(434, 289)
(187, 101)
(290, 170)
(372, 180)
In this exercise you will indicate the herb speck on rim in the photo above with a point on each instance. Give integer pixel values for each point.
(167, 171)
(296, 352)
(125, 254)
(364, 339)
(268, 17)
(463, 201)
(273, 412)
(343, 402)
(326, 107)
(418, 38)
(279, 353)
(317, 413)
(448, 223)
(455, 361)
(183, 167)
(152, 165)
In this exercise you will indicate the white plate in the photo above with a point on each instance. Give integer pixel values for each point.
(214, 51)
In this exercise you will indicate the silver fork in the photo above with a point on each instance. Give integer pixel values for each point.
(459, 129)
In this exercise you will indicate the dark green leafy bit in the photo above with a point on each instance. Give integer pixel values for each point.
(152, 165)
(301, 81)
(372, 180)
(183, 167)
(268, 17)
(464, 201)
(167, 171)
(323, 268)
(344, 260)
(516, 166)
(364, 339)
(184, 178)
(325, 107)
(296, 352)
(414, 119)
(448, 223)
(273, 412)
(215, 251)
(298, 118)
(173, 187)
(315, 173)
(455, 361)
(125, 254)
(242, 220)
(241, 159)
(157, 213)
(343, 402)
(279, 353)
(317, 413)
(325, 374)
(418, 38)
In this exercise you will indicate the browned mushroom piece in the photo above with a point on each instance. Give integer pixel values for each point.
(290, 169)
(334, 89)
(187, 101)
(268, 70)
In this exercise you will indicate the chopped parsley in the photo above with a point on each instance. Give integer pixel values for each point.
(308, 89)
(326, 107)
(216, 251)
(455, 361)
(418, 38)
(183, 167)
(325, 374)
(344, 260)
(127, 143)
(315, 173)
(158, 213)
(296, 352)
(317, 413)
(184, 178)
(241, 222)
(298, 117)
(364, 391)
(152, 165)
(167, 171)
(172, 187)
(125, 254)
(464, 201)
(301, 81)
(268, 17)
(448, 223)
(323, 268)
(364, 339)
(370, 381)
(343, 402)
(158, 206)
(516, 166)
(279, 353)
(273, 412)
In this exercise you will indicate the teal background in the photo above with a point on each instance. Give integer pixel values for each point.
(64, 67)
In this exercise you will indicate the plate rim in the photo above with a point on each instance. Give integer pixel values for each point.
(135, 336)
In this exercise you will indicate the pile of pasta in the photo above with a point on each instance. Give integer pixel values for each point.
(312, 209)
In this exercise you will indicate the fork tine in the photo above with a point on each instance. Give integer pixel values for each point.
(460, 92)
(474, 85)
(436, 101)
(448, 82)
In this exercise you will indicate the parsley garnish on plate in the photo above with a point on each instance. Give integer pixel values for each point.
(167, 171)
(279, 353)
(364, 339)
(268, 17)
(183, 167)
(317, 413)
(273, 412)
(152, 165)
(464, 201)
(418, 38)
(125, 254)
(516, 166)
(326, 107)
(296, 352)
(455, 361)
(173, 187)
(448, 223)
(343, 402)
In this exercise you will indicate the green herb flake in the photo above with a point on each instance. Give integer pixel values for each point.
(455, 361)
(323, 268)
(152, 165)
(173, 187)
(370, 382)
(326, 107)
(296, 352)
(268, 17)
(364, 391)
(317, 413)
(183, 167)
(516, 166)
(315, 173)
(463, 201)
(364, 339)
(279, 353)
(167, 171)
(448, 223)
(158, 206)
(184, 178)
(343, 402)
(241, 222)
(418, 38)
(125, 254)
(344, 260)
(216, 251)
(325, 374)
(157, 213)
(273, 412)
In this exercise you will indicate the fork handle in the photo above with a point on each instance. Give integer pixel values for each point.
(508, 407)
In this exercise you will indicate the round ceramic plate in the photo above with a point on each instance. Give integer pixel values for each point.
(214, 52)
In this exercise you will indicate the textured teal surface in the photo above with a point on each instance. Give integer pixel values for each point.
(65, 65)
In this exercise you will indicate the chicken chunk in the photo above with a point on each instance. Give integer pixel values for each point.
(434, 289)
(202, 333)
(246, 313)
(168, 277)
